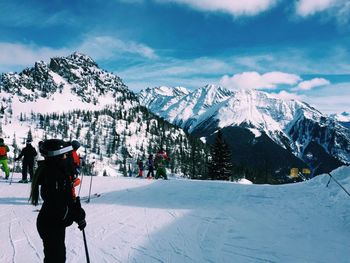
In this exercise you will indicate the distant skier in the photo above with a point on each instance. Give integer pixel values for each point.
(76, 157)
(28, 153)
(60, 208)
(160, 162)
(150, 165)
(141, 168)
(4, 149)
(129, 170)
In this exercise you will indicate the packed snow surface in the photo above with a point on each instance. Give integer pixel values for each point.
(140, 220)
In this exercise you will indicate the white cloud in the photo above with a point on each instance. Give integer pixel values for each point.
(17, 54)
(332, 98)
(309, 7)
(106, 47)
(233, 7)
(338, 9)
(255, 80)
(311, 84)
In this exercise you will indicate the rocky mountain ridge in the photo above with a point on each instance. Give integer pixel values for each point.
(294, 126)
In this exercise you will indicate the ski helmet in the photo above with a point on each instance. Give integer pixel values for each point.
(55, 147)
(75, 144)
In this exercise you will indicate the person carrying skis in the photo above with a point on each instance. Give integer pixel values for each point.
(28, 153)
(60, 208)
(161, 160)
(4, 149)
(150, 165)
(141, 168)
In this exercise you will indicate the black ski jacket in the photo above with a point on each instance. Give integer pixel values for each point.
(56, 192)
(28, 153)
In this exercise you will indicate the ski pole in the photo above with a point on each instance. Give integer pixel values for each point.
(330, 178)
(86, 248)
(338, 184)
(13, 170)
(90, 189)
(88, 201)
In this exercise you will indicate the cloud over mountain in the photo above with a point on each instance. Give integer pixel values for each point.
(313, 83)
(106, 47)
(255, 80)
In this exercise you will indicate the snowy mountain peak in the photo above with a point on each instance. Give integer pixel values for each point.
(181, 90)
(167, 91)
(82, 58)
(211, 94)
(66, 83)
(293, 125)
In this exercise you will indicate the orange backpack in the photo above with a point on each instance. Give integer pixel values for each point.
(3, 151)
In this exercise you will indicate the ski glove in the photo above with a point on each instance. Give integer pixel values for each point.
(81, 224)
(79, 214)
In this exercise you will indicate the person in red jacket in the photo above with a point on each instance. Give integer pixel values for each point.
(4, 149)
(76, 160)
(141, 168)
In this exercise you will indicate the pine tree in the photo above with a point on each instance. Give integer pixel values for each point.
(29, 136)
(220, 165)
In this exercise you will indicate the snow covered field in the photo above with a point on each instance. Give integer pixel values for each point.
(139, 220)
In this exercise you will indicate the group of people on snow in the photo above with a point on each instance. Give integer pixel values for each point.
(28, 153)
(55, 178)
(158, 164)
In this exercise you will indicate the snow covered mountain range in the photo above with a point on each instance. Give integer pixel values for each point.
(258, 127)
(72, 98)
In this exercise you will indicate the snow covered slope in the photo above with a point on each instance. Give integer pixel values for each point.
(293, 125)
(188, 221)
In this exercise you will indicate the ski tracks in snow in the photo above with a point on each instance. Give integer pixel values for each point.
(12, 242)
(18, 240)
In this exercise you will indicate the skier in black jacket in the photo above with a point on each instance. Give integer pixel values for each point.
(28, 153)
(60, 208)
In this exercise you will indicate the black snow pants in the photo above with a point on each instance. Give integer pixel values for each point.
(150, 172)
(53, 235)
(28, 166)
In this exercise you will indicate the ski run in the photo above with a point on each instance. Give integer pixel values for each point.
(138, 220)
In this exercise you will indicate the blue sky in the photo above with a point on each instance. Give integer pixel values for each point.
(292, 48)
